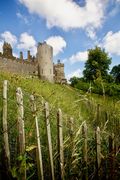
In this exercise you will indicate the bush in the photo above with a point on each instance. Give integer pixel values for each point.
(82, 86)
(111, 89)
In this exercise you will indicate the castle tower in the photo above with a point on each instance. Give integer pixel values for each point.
(59, 73)
(45, 61)
(7, 50)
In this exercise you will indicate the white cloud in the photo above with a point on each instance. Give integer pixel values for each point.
(15, 55)
(27, 42)
(91, 32)
(22, 17)
(58, 44)
(79, 56)
(9, 37)
(76, 73)
(111, 43)
(1, 46)
(67, 14)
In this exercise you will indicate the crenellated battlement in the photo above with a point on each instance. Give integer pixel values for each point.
(23, 61)
(7, 53)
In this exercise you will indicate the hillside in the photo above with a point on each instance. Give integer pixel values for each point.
(95, 110)
(65, 97)
(73, 103)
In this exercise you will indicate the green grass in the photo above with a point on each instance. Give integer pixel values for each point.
(59, 96)
(73, 103)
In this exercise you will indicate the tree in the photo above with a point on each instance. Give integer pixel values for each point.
(73, 81)
(97, 65)
(115, 72)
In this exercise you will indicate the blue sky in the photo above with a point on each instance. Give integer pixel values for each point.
(70, 26)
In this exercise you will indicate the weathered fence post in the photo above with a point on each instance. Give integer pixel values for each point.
(85, 158)
(111, 157)
(60, 145)
(43, 101)
(98, 115)
(5, 128)
(39, 153)
(70, 149)
(48, 131)
(71, 131)
(98, 151)
(21, 132)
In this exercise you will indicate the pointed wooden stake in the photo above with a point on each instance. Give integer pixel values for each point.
(60, 145)
(5, 127)
(49, 141)
(21, 132)
(39, 153)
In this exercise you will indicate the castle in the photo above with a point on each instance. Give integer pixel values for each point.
(42, 65)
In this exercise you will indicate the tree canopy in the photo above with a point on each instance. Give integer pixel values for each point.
(115, 72)
(74, 80)
(97, 64)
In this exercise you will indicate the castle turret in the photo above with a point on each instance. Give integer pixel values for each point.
(45, 61)
(7, 50)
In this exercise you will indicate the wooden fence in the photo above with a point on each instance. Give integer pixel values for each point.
(89, 164)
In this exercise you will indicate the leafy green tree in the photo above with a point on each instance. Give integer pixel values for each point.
(115, 72)
(97, 65)
(73, 81)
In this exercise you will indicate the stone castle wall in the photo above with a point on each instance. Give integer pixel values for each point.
(17, 66)
(41, 65)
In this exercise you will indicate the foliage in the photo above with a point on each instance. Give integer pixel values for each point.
(74, 80)
(99, 86)
(115, 72)
(113, 89)
(25, 163)
(97, 64)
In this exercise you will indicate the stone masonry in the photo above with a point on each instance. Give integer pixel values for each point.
(42, 65)
(59, 72)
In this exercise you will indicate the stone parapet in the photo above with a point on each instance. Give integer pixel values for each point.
(17, 66)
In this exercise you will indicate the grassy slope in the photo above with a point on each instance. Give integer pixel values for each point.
(73, 103)
(59, 96)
